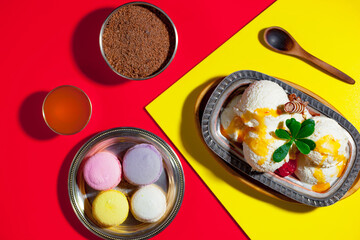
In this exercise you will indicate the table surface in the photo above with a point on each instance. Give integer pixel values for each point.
(46, 44)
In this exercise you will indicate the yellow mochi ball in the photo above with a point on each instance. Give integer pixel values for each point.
(110, 208)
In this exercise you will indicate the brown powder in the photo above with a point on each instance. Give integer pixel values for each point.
(136, 41)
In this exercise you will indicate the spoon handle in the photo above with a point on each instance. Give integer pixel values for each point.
(328, 68)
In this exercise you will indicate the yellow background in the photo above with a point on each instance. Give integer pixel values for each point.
(330, 30)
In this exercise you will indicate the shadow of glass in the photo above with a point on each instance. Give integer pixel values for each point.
(31, 118)
(63, 196)
(86, 49)
(197, 149)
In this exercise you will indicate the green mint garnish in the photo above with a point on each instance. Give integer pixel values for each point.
(282, 151)
(298, 133)
(308, 142)
(294, 126)
(303, 147)
(307, 128)
(283, 134)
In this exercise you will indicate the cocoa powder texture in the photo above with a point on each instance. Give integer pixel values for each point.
(136, 41)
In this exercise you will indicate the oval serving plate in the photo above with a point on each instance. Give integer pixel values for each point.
(290, 187)
(117, 141)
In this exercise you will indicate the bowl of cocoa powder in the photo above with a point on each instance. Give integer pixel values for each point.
(138, 40)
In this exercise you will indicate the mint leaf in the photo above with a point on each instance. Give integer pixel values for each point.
(306, 131)
(294, 126)
(307, 121)
(283, 134)
(308, 142)
(282, 151)
(303, 147)
(289, 121)
(298, 131)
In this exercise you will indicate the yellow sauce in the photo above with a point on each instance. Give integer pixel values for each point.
(259, 144)
(327, 146)
(236, 127)
(321, 185)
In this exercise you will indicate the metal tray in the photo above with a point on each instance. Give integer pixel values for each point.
(118, 140)
(235, 84)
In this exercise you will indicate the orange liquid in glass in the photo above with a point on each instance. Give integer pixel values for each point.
(67, 110)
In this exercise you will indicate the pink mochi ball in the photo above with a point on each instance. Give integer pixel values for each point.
(102, 171)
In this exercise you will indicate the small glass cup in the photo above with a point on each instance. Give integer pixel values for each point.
(66, 110)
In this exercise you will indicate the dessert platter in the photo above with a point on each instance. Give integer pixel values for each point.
(126, 183)
(281, 140)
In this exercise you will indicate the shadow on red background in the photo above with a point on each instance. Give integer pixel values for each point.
(86, 49)
(63, 195)
(31, 119)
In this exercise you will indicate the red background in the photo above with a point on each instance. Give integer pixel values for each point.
(45, 44)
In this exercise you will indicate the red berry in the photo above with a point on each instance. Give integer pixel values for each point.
(287, 169)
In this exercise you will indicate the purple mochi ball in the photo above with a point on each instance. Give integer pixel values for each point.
(142, 164)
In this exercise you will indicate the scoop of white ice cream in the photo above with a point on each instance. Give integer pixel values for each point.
(259, 108)
(262, 94)
(264, 163)
(331, 143)
(320, 177)
(260, 145)
(253, 119)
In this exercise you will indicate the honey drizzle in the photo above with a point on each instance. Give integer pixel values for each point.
(328, 146)
(258, 145)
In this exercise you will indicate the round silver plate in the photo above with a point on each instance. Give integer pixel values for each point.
(118, 140)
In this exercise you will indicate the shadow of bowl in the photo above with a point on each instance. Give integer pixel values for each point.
(86, 49)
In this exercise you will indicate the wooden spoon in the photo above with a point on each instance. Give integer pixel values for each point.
(281, 41)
